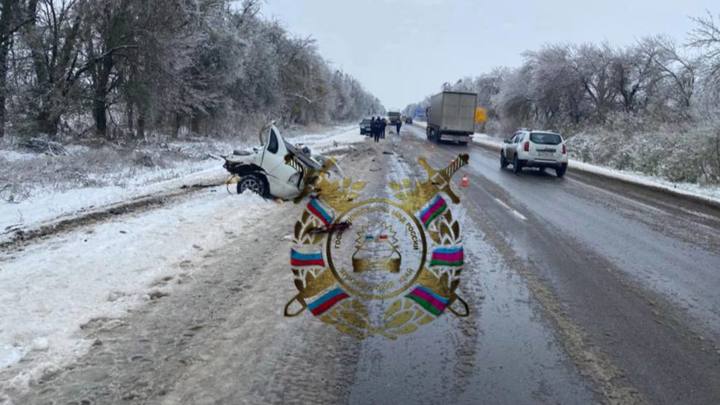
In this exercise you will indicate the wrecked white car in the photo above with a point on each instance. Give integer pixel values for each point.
(277, 169)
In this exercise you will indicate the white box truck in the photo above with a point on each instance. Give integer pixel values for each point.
(451, 117)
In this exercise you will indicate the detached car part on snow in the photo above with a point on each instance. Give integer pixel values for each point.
(277, 169)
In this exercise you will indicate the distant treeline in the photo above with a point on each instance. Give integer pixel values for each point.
(123, 68)
(570, 87)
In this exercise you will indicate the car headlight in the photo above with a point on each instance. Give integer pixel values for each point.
(294, 179)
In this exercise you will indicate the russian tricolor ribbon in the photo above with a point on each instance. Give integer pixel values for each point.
(320, 211)
(299, 259)
(326, 301)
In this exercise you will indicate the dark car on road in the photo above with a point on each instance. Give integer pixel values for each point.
(408, 120)
(365, 126)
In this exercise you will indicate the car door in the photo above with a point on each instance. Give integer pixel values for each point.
(278, 172)
(516, 143)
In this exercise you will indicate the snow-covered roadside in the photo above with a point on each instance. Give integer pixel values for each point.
(339, 139)
(51, 289)
(55, 205)
(52, 205)
(711, 194)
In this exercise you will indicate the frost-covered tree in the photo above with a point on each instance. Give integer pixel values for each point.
(706, 38)
(132, 66)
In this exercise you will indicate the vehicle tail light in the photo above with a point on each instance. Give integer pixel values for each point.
(526, 147)
(564, 149)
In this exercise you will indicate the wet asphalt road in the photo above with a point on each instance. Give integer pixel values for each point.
(636, 275)
(579, 293)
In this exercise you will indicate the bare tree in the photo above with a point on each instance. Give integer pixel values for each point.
(681, 72)
(706, 37)
(7, 19)
(593, 66)
(634, 72)
(52, 38)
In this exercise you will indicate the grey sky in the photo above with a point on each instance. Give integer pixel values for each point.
(403, 50)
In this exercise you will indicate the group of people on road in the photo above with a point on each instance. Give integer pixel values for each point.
(378, 126)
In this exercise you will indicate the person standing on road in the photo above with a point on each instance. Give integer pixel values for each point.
(383, 124)
(398, 125)
(375, 128)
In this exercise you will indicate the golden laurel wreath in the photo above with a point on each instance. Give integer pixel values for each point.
(350, 314)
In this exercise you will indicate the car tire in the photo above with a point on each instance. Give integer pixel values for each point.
(517, 166)
(560, 171)
(255, 183)
(503, 161)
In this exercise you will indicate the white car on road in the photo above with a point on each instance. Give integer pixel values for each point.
(535, 149)
(277, 169)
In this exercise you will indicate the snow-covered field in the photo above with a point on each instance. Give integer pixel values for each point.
(49, 199)
(44, 207)
(53, 287)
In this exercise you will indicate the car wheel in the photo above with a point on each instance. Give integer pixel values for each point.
(560, 171)
(254, 183)
(503, 161)
(516, 165)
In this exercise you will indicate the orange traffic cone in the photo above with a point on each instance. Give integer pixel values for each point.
(464, 182)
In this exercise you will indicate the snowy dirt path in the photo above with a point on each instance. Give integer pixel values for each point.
(102, 271)
(221, 328)
(108, 262)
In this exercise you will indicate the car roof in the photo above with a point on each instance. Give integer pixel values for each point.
(544, 131)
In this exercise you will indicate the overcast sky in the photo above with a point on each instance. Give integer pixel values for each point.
(403, 50)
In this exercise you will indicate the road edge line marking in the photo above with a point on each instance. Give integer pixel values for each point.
(511, 209)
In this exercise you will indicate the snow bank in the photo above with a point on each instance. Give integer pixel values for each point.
(45, 207)
(14, 156)
(338, 139)
(711, 194)
(53, 288)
